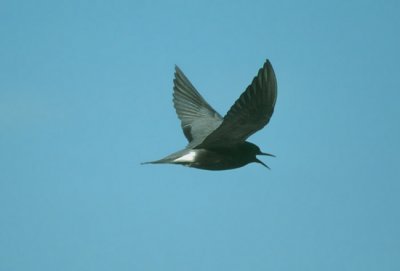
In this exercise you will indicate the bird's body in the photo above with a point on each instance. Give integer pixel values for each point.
(215, 158)
(217, 143)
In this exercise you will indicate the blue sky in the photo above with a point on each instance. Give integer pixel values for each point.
(86, 95)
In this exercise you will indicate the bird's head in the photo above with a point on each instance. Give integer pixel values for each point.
(256, 151)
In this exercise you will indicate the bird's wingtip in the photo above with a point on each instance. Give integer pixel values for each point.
(267, 63)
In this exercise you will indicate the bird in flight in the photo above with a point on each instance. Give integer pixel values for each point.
(216, 142)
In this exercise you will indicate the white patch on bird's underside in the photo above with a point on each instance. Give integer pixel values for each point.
(187, 157)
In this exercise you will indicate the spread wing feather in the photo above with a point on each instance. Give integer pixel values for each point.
(251, 112)
(198, 118)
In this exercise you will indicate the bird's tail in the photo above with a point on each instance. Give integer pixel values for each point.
(161, 161)
(151, 162)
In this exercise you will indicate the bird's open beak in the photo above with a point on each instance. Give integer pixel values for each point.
(262, 163)
(267, 154)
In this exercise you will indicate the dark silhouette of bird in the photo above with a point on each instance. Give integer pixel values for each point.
(217, 143)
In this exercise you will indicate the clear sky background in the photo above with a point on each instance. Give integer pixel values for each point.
(86, 95)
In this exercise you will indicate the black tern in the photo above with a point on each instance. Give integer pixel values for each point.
(217, 143)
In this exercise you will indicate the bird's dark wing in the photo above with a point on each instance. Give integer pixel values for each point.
(249, 113)
(198, 118)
